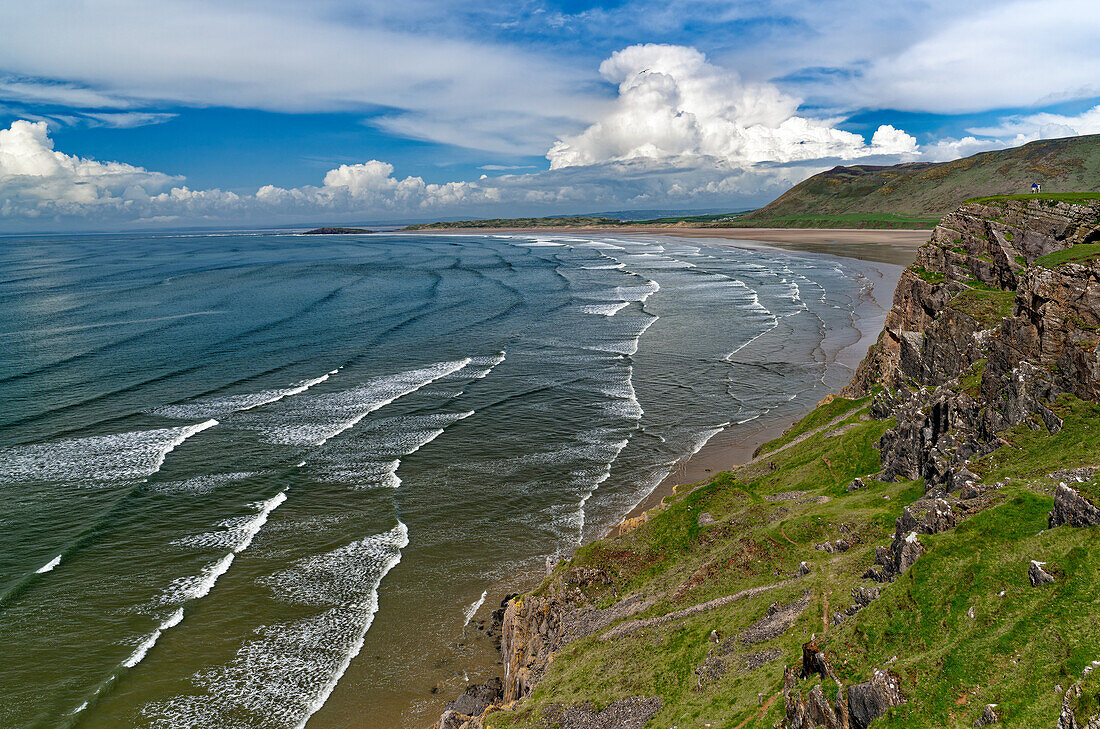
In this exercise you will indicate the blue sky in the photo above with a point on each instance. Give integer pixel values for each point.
(124, 114)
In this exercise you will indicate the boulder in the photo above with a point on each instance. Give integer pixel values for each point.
(1037, 575)
(869, 700)
(1073, 509)
(988, 716)
(477, 697)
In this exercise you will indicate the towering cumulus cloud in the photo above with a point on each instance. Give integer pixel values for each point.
(675, 106)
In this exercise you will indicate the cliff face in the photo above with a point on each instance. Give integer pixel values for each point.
(998, 316)
(928, 339)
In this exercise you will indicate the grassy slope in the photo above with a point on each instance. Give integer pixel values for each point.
(1018, 646)
(919, 191)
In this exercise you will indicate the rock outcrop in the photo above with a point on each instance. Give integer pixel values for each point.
(531, 632)
(980, 340)
(854, 707)
(1036, 575)
(1073, 509)
(986, 247)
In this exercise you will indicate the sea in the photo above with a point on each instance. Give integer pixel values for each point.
(273, 480)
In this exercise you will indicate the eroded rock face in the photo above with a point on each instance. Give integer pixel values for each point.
(1073, 509)
(530, 633)
(955, 373)
(994, 245)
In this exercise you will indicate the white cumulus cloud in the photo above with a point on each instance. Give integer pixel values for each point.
(674, 104)
(36, 179)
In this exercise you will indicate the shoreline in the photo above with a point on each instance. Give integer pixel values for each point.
(830, 240)
(735, 445)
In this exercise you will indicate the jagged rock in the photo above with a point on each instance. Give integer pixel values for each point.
(910, 552)
(1073, 509)
(869, 700)
(531, 631)
(803, 569)
(864, 596)
(454, 720)
(927, 341)
(815, 662)
(896, 559)
(988, 716)
(854, 708)
(1037, 575)
(1067, 719)
(814, 710)
(856, 484)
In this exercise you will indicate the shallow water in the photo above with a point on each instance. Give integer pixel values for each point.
(259, 480)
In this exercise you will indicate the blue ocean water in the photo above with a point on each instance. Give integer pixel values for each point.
(255, 480)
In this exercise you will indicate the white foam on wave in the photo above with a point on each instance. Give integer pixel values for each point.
(578, 518)
(472, 609)
(287, 671)
(318, 419)
(238, 532)
(220, 406)
(486, 365)
(606, 309)
(99, 458)
(48, 567)
(388, 441)
(637, 293)
(201, 484)
(143, 648)
(704, 437)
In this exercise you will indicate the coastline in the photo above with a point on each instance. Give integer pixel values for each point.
(885, 245)
(735, 445)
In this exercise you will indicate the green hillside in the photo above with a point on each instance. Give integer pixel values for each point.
(918, 194)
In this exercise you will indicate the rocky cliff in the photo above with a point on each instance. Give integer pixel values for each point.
(998, 316)
(951, 492)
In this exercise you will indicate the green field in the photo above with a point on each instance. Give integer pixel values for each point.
(928, 190)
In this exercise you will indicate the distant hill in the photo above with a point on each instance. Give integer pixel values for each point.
(918, 194)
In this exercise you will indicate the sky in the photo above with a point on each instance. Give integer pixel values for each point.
(134, 115)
